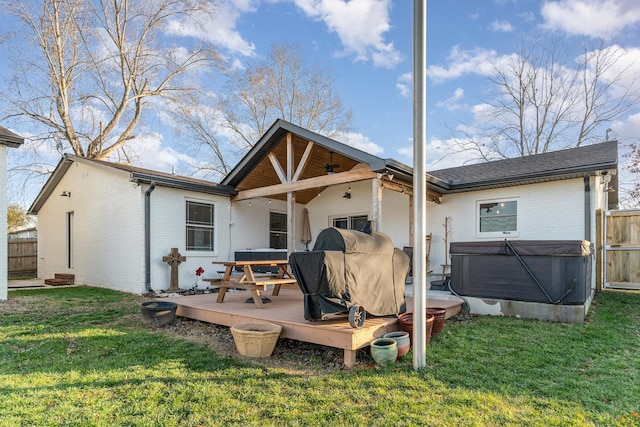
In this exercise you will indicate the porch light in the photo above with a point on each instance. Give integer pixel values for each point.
(66, 194)
(347, 194)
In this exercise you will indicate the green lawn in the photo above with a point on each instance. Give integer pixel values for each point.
(81, 356)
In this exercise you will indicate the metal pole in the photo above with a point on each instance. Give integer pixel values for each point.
(419, 184)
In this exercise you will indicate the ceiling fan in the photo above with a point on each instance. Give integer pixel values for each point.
(329, 167)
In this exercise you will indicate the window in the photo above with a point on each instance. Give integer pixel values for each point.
(354, 222)
(277, 230)
(498, 217)
(200, 226)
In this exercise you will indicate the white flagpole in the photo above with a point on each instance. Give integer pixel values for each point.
(419, 183)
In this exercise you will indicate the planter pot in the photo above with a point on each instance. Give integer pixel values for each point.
(439, 315)
(384, 351)
(406, 324)
(256, 339)
(403, 341)
(160, 313)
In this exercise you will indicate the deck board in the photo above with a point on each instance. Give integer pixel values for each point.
(287, 310)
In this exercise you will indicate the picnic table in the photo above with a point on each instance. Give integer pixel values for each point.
(248, 279)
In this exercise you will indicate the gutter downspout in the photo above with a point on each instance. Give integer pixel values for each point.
(147, 234)
(587, 208)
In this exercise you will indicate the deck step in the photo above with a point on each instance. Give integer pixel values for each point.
(61, 279)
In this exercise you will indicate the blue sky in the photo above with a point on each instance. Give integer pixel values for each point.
(366, 45)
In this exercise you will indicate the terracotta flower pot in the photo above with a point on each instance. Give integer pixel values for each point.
(439, 315)
(406, 324)
(403, 341)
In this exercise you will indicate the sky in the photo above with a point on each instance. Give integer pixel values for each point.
(367, 47)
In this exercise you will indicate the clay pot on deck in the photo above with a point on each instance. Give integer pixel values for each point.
(406, 324)
(439, 315)
(256, 339)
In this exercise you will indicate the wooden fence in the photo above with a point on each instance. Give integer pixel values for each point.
(22, 257)
(623, 249)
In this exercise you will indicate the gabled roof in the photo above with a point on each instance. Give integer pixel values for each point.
(311, 152)
(551, 166)
(9, 138)
(136, 174)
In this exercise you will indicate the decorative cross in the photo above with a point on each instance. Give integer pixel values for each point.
(174, 259)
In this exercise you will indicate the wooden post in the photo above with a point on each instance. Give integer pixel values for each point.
(376, 203)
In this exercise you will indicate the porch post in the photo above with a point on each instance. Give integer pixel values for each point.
(291, 200)
(376, 204)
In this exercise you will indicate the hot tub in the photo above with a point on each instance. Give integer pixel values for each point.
(547, 271)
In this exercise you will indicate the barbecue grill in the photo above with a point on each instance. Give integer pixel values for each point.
(351, 272)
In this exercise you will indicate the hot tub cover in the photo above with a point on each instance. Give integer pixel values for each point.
(347, 268)
(546, 271)
(523, 247)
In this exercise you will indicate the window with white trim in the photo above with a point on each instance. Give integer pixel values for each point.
(351, 222)
(200, 226)
(498, 217)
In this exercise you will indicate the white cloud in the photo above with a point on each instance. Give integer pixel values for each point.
(594, 18)
(440, 154)
(148, 151)
(463, 62)
(502, 26)
(221, 30)
(624, 71)
(360, 25)
(361, 142)
(527, 16)
(630, 127)
(404, 84)
(451, 104)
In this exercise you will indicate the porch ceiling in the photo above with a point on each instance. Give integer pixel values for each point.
(264, 174)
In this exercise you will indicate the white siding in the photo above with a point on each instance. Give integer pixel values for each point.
(250, 229)
(548, 211)
(330, 203)
(168, 230)
(3, 222)
(396, 217)
(108, 229)
(395, 209)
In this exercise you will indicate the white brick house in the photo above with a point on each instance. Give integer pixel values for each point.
(7, 139)
(111, 224)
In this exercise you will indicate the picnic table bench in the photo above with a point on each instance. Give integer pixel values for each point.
(252, 281)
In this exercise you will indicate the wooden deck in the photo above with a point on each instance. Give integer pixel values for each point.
(287, 310)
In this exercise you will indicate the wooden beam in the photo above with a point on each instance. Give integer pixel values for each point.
(356, 174)
(276, 166)
(406, 189)
(303, 161)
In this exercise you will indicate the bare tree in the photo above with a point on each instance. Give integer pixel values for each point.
(633, 166)
(541, 102)
(198, 122)
(89, 68)
(282, 86)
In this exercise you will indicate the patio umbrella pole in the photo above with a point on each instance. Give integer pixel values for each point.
(419, 184)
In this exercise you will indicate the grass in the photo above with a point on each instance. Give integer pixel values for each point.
(83, 357)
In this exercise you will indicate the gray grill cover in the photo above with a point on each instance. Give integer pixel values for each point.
(349, 268)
